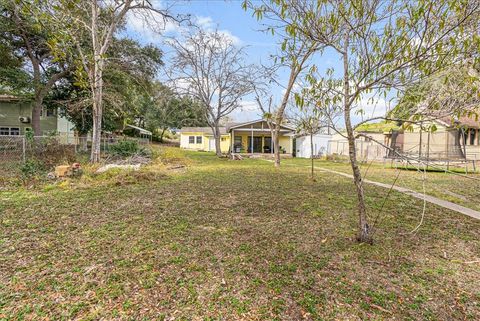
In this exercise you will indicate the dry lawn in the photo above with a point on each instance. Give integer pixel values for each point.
(229, 240)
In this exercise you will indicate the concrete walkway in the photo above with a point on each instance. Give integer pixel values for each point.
(437, 201)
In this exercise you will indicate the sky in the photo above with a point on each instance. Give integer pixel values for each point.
(244, 29)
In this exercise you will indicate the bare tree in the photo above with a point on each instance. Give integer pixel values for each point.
(98, 21)
(383, 47)
(211, 68)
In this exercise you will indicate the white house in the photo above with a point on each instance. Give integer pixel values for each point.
(320, 145)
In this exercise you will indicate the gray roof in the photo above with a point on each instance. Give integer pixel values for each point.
(206, 130)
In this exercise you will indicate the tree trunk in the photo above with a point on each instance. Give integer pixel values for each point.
(97, 110)
(161, 135)
(311, 152)
(276, 146)
(217, 136)
(364, 234)
(36, 111)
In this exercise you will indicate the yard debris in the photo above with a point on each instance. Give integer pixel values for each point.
(66, 170)
(236, 157)
(107, 167)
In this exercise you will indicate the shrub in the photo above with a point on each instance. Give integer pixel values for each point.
(127, 148)
(31, 168)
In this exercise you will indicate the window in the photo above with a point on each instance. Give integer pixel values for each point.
(237, 141)
(472, 136)
(6, 131)
(224, 139)
(191, 139)
(50, 112)
(199, 139)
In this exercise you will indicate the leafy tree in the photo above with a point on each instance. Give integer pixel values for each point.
(91, 26)
(165, 110)
(32, 60)
(383, 46)
(128, 78)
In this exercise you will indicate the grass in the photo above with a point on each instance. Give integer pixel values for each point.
(229, 240)
(458, 189)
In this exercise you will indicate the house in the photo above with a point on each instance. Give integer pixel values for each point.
(452, 139)
(16, 118)
(320, 145)
(253, 137)
(201, 138)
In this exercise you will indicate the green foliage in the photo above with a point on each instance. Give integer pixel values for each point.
(127, 148)
(31, 168)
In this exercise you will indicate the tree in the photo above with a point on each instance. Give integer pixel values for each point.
(209, 67)
(128, 78)
(309, 120)
(28, 40)
(165, 110)
(98, 21)
(383, 47)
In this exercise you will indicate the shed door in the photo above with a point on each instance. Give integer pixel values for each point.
(211, 144)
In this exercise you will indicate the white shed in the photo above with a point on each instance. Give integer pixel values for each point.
(320, 145)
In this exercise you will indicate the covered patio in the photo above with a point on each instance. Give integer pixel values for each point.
(255, 138)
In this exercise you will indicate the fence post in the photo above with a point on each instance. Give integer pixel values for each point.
(24, 145)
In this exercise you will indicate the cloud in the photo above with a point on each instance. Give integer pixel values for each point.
(249, 105)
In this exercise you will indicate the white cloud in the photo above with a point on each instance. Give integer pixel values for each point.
(249, 105)
(204, 22)
(148, 29)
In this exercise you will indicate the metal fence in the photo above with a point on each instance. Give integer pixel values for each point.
(365, 150)
(19, 147)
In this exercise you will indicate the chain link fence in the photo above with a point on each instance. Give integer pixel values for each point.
(64, 145)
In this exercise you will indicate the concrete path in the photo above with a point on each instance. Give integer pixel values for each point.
(437, 201)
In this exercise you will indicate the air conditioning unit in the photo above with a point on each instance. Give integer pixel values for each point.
(24, 119)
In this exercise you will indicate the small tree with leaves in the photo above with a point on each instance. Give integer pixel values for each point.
(382, 46)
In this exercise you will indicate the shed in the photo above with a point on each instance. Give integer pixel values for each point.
(320, 145)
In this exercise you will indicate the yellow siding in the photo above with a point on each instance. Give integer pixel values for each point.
(205, 144)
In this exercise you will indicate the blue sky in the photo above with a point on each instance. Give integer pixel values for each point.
(229, 17)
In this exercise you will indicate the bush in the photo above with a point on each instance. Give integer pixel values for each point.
(31, 168)
(127, 148)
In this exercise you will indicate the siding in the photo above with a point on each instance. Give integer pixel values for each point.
(205, 145)
(11, 111)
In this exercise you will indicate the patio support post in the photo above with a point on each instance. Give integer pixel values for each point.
(251, 140)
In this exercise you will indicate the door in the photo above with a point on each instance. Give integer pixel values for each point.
(267, 145)
(257, 144)
(211, 144)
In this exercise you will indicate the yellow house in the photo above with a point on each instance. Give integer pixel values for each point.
(252, 137)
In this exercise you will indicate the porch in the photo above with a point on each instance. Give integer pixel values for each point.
(255, 139)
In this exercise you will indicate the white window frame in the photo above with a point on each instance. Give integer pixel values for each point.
(197, 140)
(3, 129)
(191, 139)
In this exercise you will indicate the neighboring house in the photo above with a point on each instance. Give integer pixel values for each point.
(453, 138)
(303, 146)
(16, 119)
(201, 138)
(252, 137)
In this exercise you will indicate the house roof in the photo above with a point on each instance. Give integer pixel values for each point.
(141, 130)
(380, 127)
(4, 97)
(471, 122)
(205, 130)
(237, 125)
